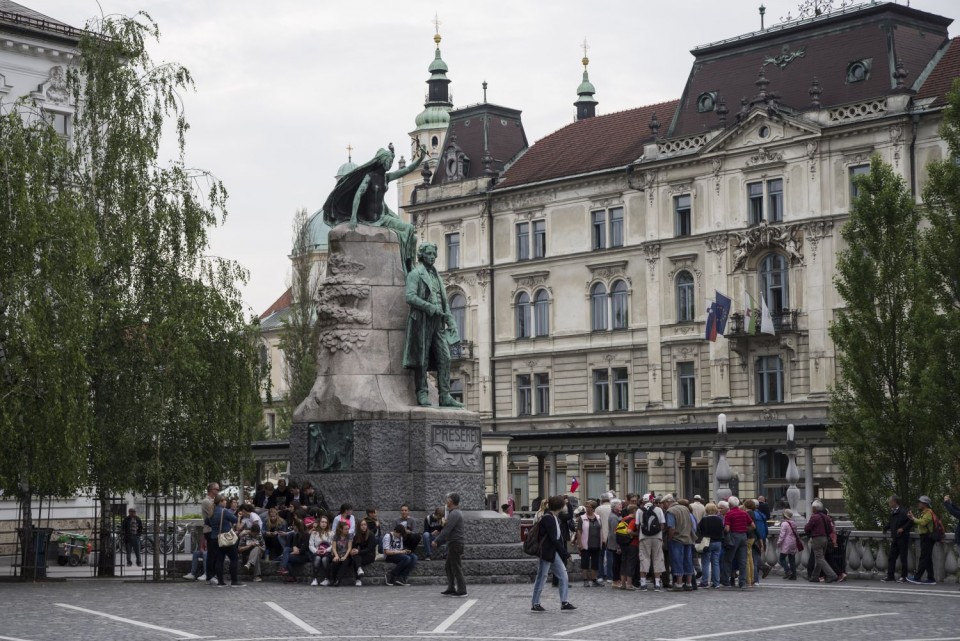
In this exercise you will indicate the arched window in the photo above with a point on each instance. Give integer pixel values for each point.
(774, 287)
(685, 308)
(541, 313)
(524, 328)
(598, 307)
(618, 305)
(458, 307)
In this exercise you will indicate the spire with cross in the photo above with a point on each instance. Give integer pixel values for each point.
(585, 47)
(349, 152)
(586, 104)
(436, 28)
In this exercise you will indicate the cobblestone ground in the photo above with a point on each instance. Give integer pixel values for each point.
(106, 610)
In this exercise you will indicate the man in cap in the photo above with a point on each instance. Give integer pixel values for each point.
(925, 529)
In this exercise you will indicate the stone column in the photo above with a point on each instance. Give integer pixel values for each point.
(793, 474)
(687, 474)
(808, 478)
(581, 477)
(503, 483)
(552, 473)
(631, 472)
(541, 478)
(612, 475)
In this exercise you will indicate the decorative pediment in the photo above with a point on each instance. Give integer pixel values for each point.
(55, 88)
(758, 128)
(609, 271)
(684, 262)
(530, 280)
(788, 238)
(456, 164)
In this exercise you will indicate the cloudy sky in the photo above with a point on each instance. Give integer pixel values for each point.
(283, 87)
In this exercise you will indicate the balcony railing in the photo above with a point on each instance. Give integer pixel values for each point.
(783, 321)
(462, 351)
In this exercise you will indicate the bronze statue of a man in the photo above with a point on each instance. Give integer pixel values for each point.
(431, 328)
(359, 197)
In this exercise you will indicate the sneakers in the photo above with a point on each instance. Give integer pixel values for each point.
(598, 581)
(448, 592)
(325, 582)
(657, 586)
(257, 579)
(912, 579)
(538, 608)
(566, 605)
(213, 582)
(888, 579)
(202, 577)
(389, 579)
(358, 583)
(314, 583)
(360, 572)
(459, 595)
(928, 582)
(189, 577)
(842, 577)
(402, 582)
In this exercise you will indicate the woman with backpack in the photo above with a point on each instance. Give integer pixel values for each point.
(788, 544)
(629, 542)
(926, 530)
(553, 554)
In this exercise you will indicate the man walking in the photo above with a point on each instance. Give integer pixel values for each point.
(452, 536)
(132, 529)
(899, 526)
(925, 529)
(819, 529)
(553, 555)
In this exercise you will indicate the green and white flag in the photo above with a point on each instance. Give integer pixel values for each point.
(766, 320)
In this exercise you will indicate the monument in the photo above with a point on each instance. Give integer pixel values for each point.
(368, 433)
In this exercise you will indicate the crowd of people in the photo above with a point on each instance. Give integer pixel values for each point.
(293, 526)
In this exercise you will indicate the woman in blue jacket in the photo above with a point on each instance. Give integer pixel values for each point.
(224, 520)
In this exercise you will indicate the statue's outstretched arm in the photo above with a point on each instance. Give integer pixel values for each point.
(356, 200)
(412, 167)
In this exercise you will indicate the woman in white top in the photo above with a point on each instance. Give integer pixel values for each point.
(320, 540)
(346, 515)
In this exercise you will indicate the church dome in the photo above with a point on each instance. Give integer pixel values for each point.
(433, 117)
(318, 232)
(345, 169)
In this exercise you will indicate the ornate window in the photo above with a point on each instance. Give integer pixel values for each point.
(458, 308)
(683, 214)
(598, 222)
(523, 241)
(774, 284)
(539, 238)
(706, 101)
(524, 327)
(524, 395)
(598, 307)
(618, 305)
(621, 389)
(602, 234)
(686, 377)
(773, 212)
(453, 251)
(543, 393)
(769, 379)
(858, 170)
(858, 70)
(685, 293)
(541, 313)
(601, 390)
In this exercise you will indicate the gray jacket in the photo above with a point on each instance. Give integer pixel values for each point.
(452, 531)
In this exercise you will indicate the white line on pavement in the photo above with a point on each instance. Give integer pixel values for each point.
(929, 639)
(179, 633)
(450, 620)
(849, 588)
(292, 618)
(612, 621)
(788, 625)
(11, 639)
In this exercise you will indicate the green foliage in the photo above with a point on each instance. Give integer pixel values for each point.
(299, 338)
(129, 364)
(941, 265)
(883, 408)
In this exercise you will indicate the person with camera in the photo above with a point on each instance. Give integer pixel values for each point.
(553, 555)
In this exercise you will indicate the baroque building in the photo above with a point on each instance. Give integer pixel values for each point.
(583, 267)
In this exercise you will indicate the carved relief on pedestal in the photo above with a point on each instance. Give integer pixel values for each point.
(344, 326)
(789, 238)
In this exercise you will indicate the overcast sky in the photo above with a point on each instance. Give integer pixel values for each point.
(283, 87)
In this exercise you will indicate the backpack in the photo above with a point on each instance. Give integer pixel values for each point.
(760, 520)
(650, 525)
(625, 532)
(938, 532)
(531, 544)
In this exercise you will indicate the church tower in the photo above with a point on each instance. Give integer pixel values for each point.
(586, 104)
(431, 123)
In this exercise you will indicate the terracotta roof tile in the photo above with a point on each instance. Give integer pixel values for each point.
(285, 300)
(941, 79)
(592, 144)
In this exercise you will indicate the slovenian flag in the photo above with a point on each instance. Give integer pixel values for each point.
(574, 484)
(711, 330)
(722, 309)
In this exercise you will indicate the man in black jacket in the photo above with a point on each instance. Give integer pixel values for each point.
(899, 526)
(132, 529)
(553, 554)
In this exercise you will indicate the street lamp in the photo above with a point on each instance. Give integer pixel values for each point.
(724, 473)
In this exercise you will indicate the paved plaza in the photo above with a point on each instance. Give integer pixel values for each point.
(79, 610)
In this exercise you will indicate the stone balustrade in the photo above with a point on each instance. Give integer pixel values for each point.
(867, 553)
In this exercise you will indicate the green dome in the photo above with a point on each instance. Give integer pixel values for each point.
(433, 117)
(438, 66)
(345, 169)
(586, 89)
(318, 232)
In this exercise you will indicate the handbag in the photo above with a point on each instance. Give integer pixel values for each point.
(702, 544)
(228, 538)
(800, 545)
